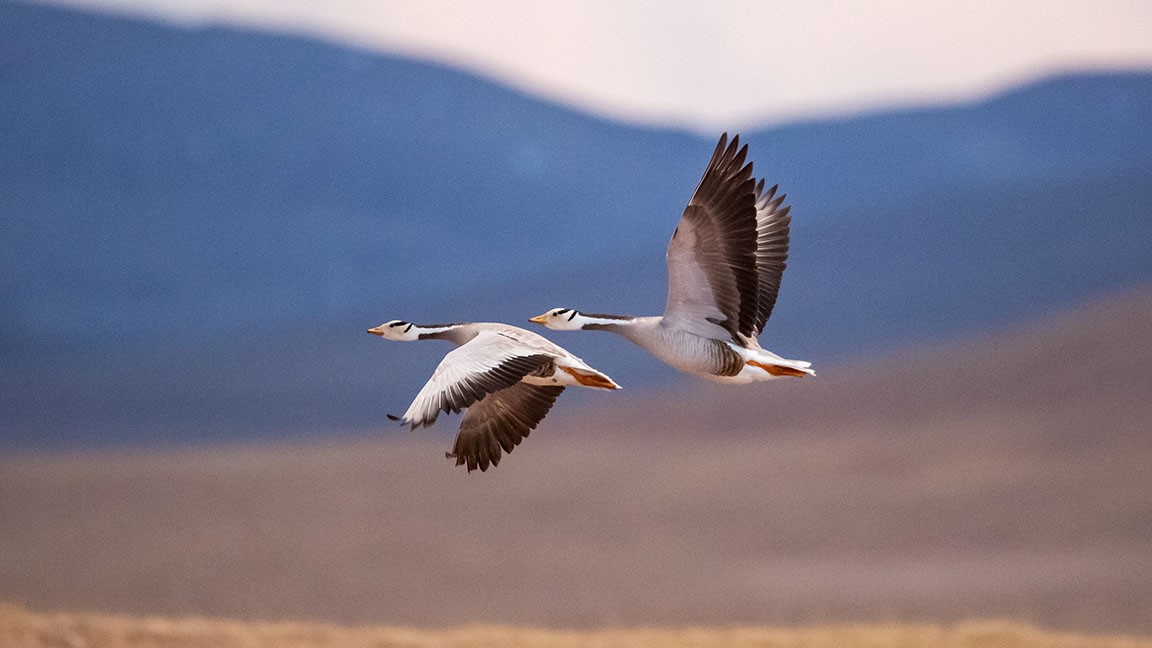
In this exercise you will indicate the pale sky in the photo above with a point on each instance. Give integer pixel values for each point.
(717, 65)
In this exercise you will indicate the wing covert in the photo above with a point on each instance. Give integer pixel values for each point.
(484, 365)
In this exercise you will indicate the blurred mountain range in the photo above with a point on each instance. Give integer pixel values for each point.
(196, 225)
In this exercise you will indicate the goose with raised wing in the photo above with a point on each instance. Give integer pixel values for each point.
(725, 262)
(506, 378)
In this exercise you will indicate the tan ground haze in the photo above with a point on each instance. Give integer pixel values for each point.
(1001, 478)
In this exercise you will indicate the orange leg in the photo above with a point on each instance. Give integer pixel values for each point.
(590, 380)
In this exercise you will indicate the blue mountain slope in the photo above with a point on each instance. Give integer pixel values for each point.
(160, 177)
(198, 224)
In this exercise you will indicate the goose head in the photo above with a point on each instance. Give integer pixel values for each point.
(398, 330)
(560, 319)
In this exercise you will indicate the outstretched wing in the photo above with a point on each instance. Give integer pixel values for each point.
(712, 259)
(500, 422)
(484, 365)
(772, 232)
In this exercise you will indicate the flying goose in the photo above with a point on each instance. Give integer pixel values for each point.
(725, 261)
(506, 377)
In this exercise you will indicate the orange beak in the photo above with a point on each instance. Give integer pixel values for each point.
(539, 319)
(376, 331)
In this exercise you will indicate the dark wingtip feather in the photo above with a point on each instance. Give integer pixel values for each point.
(459, 459)
(720, 148)
(392, 417)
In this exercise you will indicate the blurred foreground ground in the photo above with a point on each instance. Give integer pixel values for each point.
(999, 478)
(23, 629)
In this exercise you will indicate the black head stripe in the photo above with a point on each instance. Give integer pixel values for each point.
(572, 316)
(395, 324)
(408, 329)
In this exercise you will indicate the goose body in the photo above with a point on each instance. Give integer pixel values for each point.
(725, 262)
(506, 378)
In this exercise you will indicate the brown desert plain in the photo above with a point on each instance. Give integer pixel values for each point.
(964, 495)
